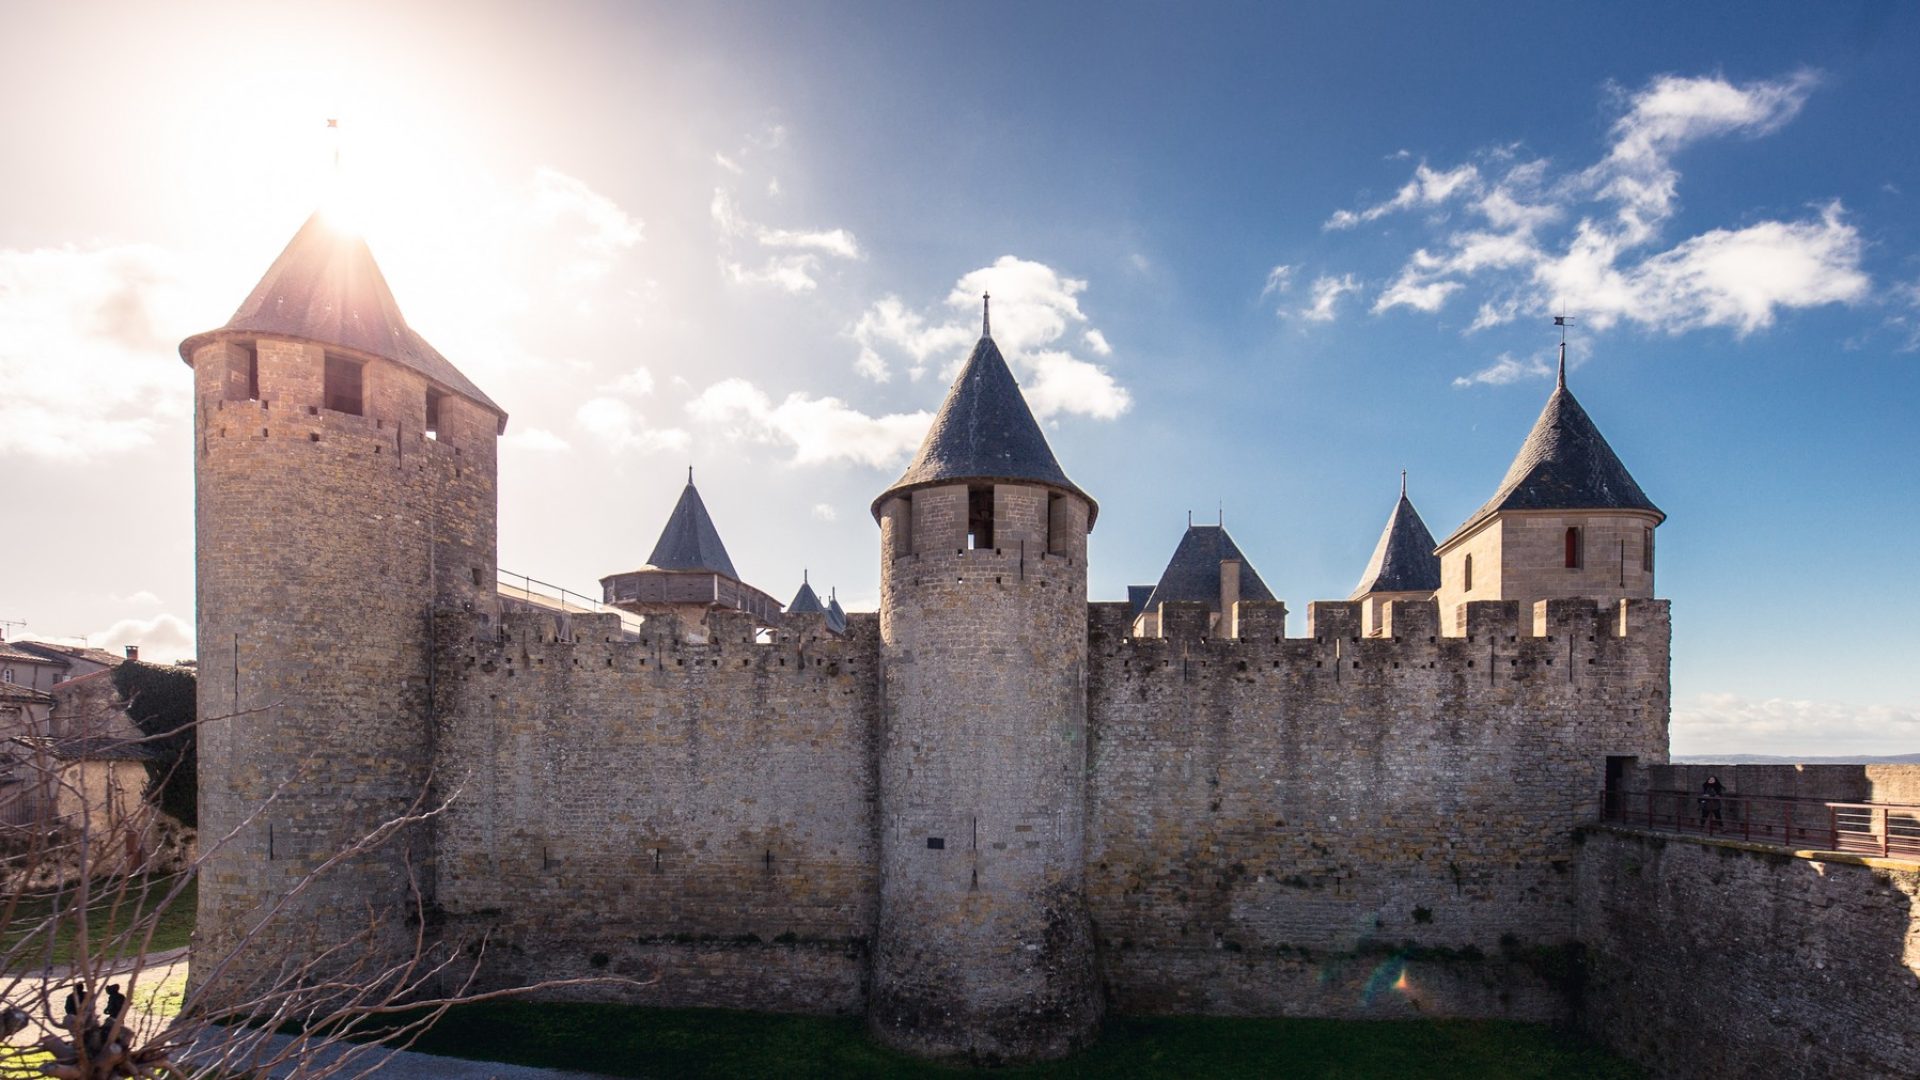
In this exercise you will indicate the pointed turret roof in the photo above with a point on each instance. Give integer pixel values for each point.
(325, 288)
(1403, 560)
(690, 542)
(1565, 464)
(1194, 571)
(806, 601)
(984, 431)
(836, 615)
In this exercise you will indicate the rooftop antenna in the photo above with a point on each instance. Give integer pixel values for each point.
(986, 314)
(1561, 321)
(4, 623)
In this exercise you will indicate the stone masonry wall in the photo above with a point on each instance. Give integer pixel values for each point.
(1722, 959)
(700, 812)
(324, 541)
(1351, 826)
(984, 949)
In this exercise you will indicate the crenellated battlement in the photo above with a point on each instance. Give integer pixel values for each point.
(1407, 626)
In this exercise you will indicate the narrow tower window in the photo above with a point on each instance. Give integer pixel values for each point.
(341, 390)
(1573, 547)
(1646, 549)
(433, 413)
(1466, 575)
(980, 518)
(1056, 524)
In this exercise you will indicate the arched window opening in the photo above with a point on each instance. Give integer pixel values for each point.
(1467, 575)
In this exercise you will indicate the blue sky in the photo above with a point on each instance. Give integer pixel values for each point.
(1242, 256)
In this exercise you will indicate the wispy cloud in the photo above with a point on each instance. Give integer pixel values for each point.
(1429, 187)
(1326, 293)
(1532, 239)
(1731, 724)
(1279, 279)
(1506, 369)
(797, 271)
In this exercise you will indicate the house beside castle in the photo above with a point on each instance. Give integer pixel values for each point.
(982, 816)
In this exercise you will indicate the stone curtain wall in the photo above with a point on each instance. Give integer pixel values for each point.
(1709, 958)
(1274, 820)
(701, 812)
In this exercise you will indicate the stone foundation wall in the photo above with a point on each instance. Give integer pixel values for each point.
(1715, 958)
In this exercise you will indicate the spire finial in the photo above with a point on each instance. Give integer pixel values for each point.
(689, 476)
(1403, 483)
(803, 577)
(986, 314)
(1561, 321)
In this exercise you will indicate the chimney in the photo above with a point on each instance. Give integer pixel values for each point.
(133, 652)
(1229, 596)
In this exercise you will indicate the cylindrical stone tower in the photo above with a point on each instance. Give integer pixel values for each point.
(344, 489)
(984, 948)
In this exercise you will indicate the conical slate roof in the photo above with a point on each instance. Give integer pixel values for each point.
(806, 601)
(325, 288)
(690, 542)
(1403, 560)
(1565, 464)
(985, 432)
(836, 616)
(1194, 571)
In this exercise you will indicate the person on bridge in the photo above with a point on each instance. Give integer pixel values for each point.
(1710, 795)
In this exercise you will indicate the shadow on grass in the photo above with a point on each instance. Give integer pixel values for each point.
(699, 1044)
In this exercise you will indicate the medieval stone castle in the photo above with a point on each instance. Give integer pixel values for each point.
(982, 816)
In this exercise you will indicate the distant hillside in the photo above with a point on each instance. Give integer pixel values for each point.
(1776, 759)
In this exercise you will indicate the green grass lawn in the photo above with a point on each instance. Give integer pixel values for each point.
(712, 1043)
(104, 918)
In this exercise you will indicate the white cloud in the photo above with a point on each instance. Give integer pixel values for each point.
(1034, 308)
(1429, 187)
(1326, 292)
(1279, 279)
(1670, 113)
(1408, 291)
(536, 440)
(889, 324)
(142, 598)
(1731, 724)
(162, 639)
(820, 431)
(85, 336)
(825, 512)
(727, 163)
(1062, 383)
(604, 229)
(1506, 369)
(793, 273)
(733, 224)
(619, 427)
(1583, 241)
(635, 383)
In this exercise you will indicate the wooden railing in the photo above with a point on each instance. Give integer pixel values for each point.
(1889, 830)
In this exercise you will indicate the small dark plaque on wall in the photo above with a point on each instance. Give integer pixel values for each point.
(937, 843)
